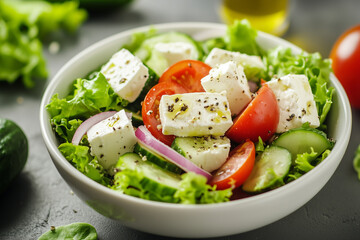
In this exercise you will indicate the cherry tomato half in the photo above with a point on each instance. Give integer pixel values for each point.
(150, 109)
(187, 73)
(260, 118)
(237, 167)
(345, 56)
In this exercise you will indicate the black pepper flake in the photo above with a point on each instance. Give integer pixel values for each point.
(176, 99)
(210, 128)
(291, 117)
(101, 155)
(171, 108)
(100, 145)
(184, 107)
(114, 129)
(124, 147)
(303, 111)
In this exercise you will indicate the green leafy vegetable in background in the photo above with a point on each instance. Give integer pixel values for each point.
(23, 25)
(79, 231)
(356, 161)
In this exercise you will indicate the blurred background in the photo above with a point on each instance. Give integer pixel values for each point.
(39, 198)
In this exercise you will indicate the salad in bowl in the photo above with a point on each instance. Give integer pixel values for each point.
(169, 120)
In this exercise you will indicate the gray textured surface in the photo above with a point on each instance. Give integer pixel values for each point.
(39, 197)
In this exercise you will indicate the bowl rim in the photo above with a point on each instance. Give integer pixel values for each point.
(58, 158)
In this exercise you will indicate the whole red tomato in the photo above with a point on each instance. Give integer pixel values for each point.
(345, 57)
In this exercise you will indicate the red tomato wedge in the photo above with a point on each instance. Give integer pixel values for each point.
(259, 119)
(237, 167)
(187, 73)
(150, 109)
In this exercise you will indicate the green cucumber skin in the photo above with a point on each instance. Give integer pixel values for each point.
(265, 175)
(177, 148)
(301, 140)
(154, 178)
(13, 152)
(156, 159)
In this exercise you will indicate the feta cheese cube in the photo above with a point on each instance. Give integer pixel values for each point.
(208, 153)
(231, 78)
(126, 74)
(296, 102)
(195, 114)
(174, 52)
(251, 64)
(111, 138)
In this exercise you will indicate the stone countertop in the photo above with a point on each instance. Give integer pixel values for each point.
(39, 197)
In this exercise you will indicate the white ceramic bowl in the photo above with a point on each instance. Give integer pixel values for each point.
(195, 220)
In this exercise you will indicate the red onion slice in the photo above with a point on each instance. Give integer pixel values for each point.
(145, 137)
(86, 125)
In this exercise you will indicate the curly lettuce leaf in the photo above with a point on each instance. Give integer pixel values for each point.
(239, 37)
(50, 17)
(22, 26)
(80, 158)
(305, 162)
(281, 61)
(20, 50)
(192, 188)
(88, 98)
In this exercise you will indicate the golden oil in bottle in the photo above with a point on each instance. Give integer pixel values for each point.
(265, 15)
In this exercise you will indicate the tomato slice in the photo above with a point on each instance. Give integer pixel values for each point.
(260, 118)
(237, 167)
(187, 73)
(150, 109)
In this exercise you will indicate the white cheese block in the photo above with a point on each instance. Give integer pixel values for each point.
(126, 74)
(251, 64)
(195, 114)
(174, 52)
(296, 102)
(208, 153)
(111, 138)
(231, 78)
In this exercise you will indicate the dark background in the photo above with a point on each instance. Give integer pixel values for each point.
(39, 197)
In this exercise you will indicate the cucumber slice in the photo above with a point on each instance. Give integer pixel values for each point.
(151, 177)
(208, 153)
(157, 62)
(146, 154)
(269, 170)
(301, 140)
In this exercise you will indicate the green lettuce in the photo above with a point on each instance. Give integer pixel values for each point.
(239, 37)
(305, 162)
(88, 98)
(192, 189)
(23, 26)
(80, 158)
(281, 61)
